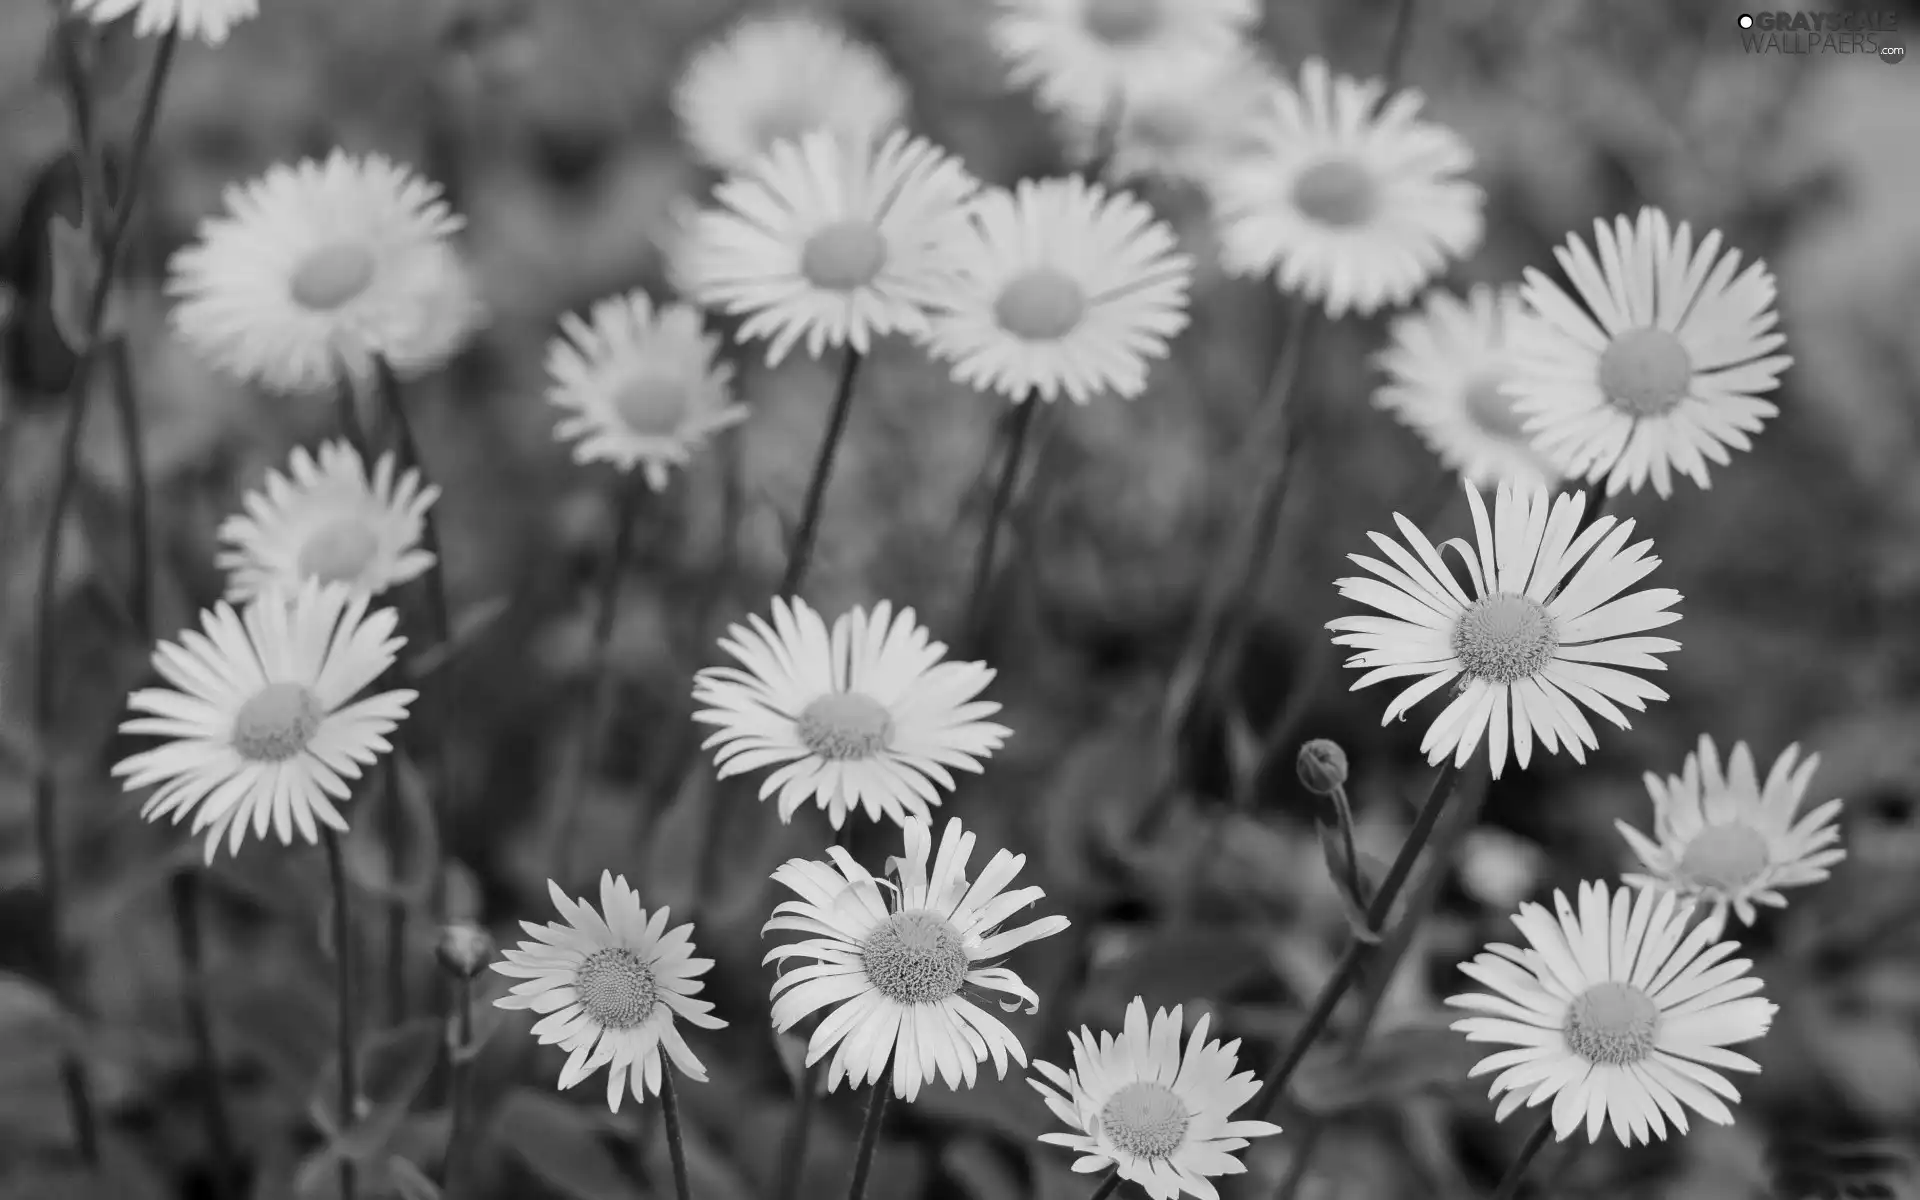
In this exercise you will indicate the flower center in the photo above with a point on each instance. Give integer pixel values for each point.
(331, 276)
(1645, 372)
(1145, 1119)
(1122, 22)
(843, 725)
(338, 551)
(651, 403)
(276, 722)
(1336, 191)
(1492, 410)
(616, 988)
(1725, 857)
(1504, 638)
(843, 256)
(1612, 1023)
(915, 957)
(1041, 304)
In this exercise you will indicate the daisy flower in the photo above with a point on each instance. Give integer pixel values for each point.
(864, 715)
(316, 269)
(639, 385)
(893, 974)
(1659, 366)
(612, 986)
(263, 729)
(1065, 289)
(1163, 1119)
(326, 520)
(1545, 627)
(831, 242)
(1179, 128)
(1345, 207)
(208, 21)
(1724, 838)
(780, 76)
(1618, 1014)
(1447, 369)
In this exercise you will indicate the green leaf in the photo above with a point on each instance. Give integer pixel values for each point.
(394, 1065)
(409, 1181)
(470, 624)
(1391, 1066)
(560, 1143)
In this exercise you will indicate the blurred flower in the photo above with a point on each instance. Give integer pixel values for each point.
(463, 950)
(1064, 289)
(830, 241)
(1344, 207)
(1079, 55)
(1447, 369)
(1178, 127)
(1541, 634)
(862, 716)
(208, 21)
(639, 385)
(318, 268)
(1619, 1014)
(1725, 839)
(611, 984)
(893, 975)
(326, 520)
(1322, 766)
(1161, 1119)
(1663, 368)
(1498, 868)
(777, 77)
(263, 728)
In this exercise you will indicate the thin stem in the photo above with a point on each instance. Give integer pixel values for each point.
(869, 1138)
(460, 1089)
(185, 897)
(1397, 40)
(800, 556)
(344, 1033)
(1510, 1182)
(346, 408)
(793, 1146)
(393, 836)
(1343, 812)
(1108, 1186)
(1018, 434)
(1308, 1142)
(126, 400)
(676, 1149)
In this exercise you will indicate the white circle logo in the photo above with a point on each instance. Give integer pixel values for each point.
(1746, 21)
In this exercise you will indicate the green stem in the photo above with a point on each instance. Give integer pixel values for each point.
(345, 1040)
(676, 1148)
(126, 400)
(1023, 418)
(393, 836)
(460, 1088)
(869, 1138)
(800, 556)
(186, 903)
(1510, 1182)
(1108, 1186)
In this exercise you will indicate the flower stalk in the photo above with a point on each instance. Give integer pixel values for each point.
(346, 1040)
(185, 898)
(676, 1147)
(1018, 436)
(1510, 1182)
(800, 554)
(869, 1139)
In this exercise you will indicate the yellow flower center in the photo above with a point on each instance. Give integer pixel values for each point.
(1122, 22)
(1612, 1024)
(339, 551)
(844, 725)
(1337, 192)
(843, 256)
(1725, 857)
(616, 988)
(1041, 304)
(332, 275)
(1645, 372)
(1145, 1119)
(1492, 410)
(651, 403)
(276, 723)
(1504, 638)
(915, 957)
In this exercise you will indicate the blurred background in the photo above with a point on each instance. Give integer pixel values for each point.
(1191, 877)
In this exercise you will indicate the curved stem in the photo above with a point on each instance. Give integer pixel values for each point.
(185, 898)
(869, 1138)
(126, 401)
(800, 556)
(460, 1089)
(1023, 418)
(345, 1039)
(1510, 1182)
(676, 1149)
(1108, 1186)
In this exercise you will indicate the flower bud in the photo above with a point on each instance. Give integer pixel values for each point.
(1322, 767)
(464, 950)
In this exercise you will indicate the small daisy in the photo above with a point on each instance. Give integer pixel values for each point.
(831, 242)
(1726, 839)
(1344, 207)
(612, 985)
(1447, 369)
(864, 715)
(893, 975)
(1163, 1119)
(1662, 369)
(1066, 289)
(327, 520)
(1078, 55)
(639, 385)
(1181, 128)
(208, 21)
(1544, 631)
(316, 269)
(262, 726)
(778, 77)
(1618, 1014)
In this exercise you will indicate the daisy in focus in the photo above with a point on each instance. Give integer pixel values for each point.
(777, 77)
(893, 975)
(1447, 368)
(317, 269)
(1545, 626)
(613, 986)
(263, 731)
(831, 243)
(639, 385)
(1065, 289)
(207, 21)
(864, 715)
(1617, 1014)
(1659, 365)
(1344, 207)
(1180, 128)
(1725, 838)
(1079, 55)
(1137, 1104)
(326, 520)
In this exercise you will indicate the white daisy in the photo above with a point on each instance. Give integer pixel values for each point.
(893, 974)
(1618, 1014)
(1660, 365)
(1137, 1104)
(326, 520)
(1541, 630)
(1345, 207)
(318, 268)
(612, 985)
(778, 76)
(1078, 55)
(639, 385)
(830, 241)
(1182, 127)
(1066, 289)
(208, 21)
(864, 715)
(1447, 368)
(1727, 839)
(262, 726)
